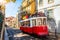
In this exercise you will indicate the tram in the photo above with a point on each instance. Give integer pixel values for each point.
(35, 25)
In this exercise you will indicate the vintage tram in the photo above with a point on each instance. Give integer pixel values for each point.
(35, 25)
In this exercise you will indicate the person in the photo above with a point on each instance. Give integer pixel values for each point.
(41, 14)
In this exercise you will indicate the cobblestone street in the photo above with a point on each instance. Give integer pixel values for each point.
(29, 19)
(18, 35)
(21, 36)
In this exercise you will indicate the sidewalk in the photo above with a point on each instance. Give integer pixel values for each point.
(6, 35)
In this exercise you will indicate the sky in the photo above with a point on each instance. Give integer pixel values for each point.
(11, 8)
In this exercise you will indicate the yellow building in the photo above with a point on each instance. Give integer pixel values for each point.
(11, 22)
(29, 6)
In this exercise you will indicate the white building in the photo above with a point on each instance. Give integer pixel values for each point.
(52, 10)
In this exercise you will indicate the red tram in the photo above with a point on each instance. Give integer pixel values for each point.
(35, 25)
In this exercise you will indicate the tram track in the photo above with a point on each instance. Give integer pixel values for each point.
(29, 37)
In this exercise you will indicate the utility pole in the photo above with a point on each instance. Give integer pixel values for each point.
(2, 10)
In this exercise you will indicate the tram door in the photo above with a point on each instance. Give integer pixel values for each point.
(39, 21)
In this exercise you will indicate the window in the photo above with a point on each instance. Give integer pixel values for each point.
(50, 13)
(39, 21)
(28, 23)
(22, 24)
(25, 23)
(50, 1)
(44, 21)
(33, 22)
(40, 2)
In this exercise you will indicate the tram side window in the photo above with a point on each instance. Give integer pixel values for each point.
(22, 24)
(39, 21)
(44, 21)
(26, 23)
(34, 22)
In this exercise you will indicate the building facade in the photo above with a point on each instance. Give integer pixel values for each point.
(29, 6)
(17, 21)
(52, 10)
(11, 22)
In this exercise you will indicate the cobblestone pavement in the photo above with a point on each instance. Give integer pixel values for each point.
(22, 36)
(18, 35)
